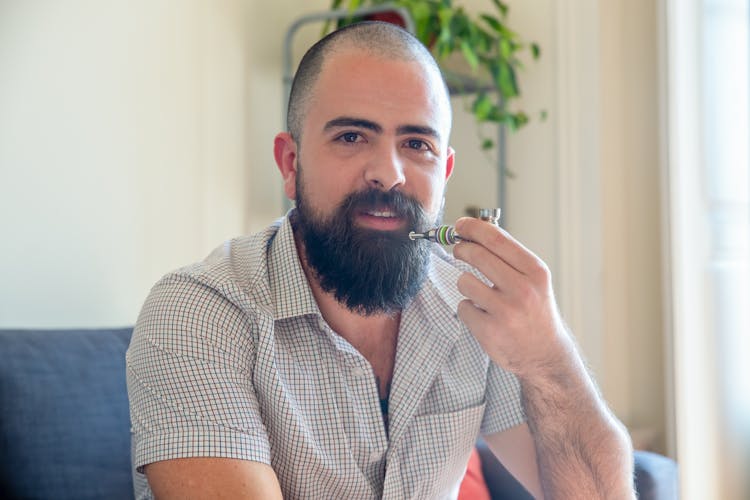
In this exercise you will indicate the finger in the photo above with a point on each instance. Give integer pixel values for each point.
(473, 317)
(499, 242)
(498, 271)
(479, 293)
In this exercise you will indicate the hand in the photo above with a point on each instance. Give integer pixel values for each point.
(516, 319)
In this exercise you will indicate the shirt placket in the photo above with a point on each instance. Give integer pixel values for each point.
(372, 447)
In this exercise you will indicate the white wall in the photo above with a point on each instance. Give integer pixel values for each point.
(631, 207)
(134, 137)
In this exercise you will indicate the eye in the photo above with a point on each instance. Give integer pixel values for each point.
(418, 144)
(350, 137)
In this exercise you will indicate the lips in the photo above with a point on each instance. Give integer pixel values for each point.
(389, 211)
(381, 213)
(381, 219)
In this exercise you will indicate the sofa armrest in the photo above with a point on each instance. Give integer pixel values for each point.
(655, 476)
(64, 418)
(501, 483)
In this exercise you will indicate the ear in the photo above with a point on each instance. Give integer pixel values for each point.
(285, 153)
(449, 162)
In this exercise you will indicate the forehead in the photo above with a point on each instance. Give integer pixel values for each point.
(390, 91)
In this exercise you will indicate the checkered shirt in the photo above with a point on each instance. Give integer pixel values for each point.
(232, 358)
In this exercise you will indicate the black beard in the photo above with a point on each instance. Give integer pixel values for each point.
(369, 271)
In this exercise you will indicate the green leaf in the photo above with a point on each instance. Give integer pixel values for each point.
(354, 5)
(460, 23)
(420, 13)
(445, 15)
(518, 120)
(536, 51)
(508, 33)
(501, 7)
(505, 80)
(469, 55)
(497, 115)
(506, 49)
(481, 40)
(483, 107)
(493, 22)
(487, 144)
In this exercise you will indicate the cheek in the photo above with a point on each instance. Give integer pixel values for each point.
(324, 191)
(432, 191)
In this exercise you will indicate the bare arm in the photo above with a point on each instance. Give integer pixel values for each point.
(581, 448)
(199, 478)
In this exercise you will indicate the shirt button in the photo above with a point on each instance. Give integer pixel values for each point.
(374, 456)
(358, 372)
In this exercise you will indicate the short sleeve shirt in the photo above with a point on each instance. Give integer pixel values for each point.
(231, 358)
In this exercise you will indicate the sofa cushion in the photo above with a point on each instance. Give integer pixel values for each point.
(64, 418)
(473, 485)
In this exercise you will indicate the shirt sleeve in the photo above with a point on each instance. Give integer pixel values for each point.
(190, 377)
(504, 409)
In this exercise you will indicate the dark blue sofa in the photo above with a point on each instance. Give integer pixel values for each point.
(65, 427)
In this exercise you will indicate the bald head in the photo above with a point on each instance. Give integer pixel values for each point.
(372, 38)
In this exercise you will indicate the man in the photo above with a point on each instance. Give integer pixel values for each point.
(330, 356)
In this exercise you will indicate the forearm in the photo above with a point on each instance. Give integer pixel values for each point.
(583, 451)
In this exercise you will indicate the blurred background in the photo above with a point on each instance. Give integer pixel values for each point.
(136, 136)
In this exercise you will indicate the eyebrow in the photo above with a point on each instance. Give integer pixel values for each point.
(346, 121)
(417, 129)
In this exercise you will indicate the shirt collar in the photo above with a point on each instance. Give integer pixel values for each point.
(290, 289)
(442, 278)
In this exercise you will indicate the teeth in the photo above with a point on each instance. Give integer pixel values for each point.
(381, 214)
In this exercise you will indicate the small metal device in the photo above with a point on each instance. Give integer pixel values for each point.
(491, 215)
(447, 235)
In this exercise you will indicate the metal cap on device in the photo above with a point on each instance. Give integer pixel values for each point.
(491, 215)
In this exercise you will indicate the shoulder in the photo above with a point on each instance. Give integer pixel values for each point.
(225, 292)
(236, 270)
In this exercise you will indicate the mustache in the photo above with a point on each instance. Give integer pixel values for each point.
(397, 202)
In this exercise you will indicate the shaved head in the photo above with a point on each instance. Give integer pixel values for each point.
(373, 38)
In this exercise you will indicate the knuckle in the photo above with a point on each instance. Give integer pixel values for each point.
(498, 240)
(463, 308)
(526, 292)
(540, 272)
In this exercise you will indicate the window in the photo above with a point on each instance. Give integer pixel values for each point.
(708, 215)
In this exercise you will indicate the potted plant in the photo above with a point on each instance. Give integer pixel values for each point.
(489, 50)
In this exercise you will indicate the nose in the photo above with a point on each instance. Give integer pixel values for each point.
(385, 171)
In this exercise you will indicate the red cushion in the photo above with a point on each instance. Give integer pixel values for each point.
(473, 486)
